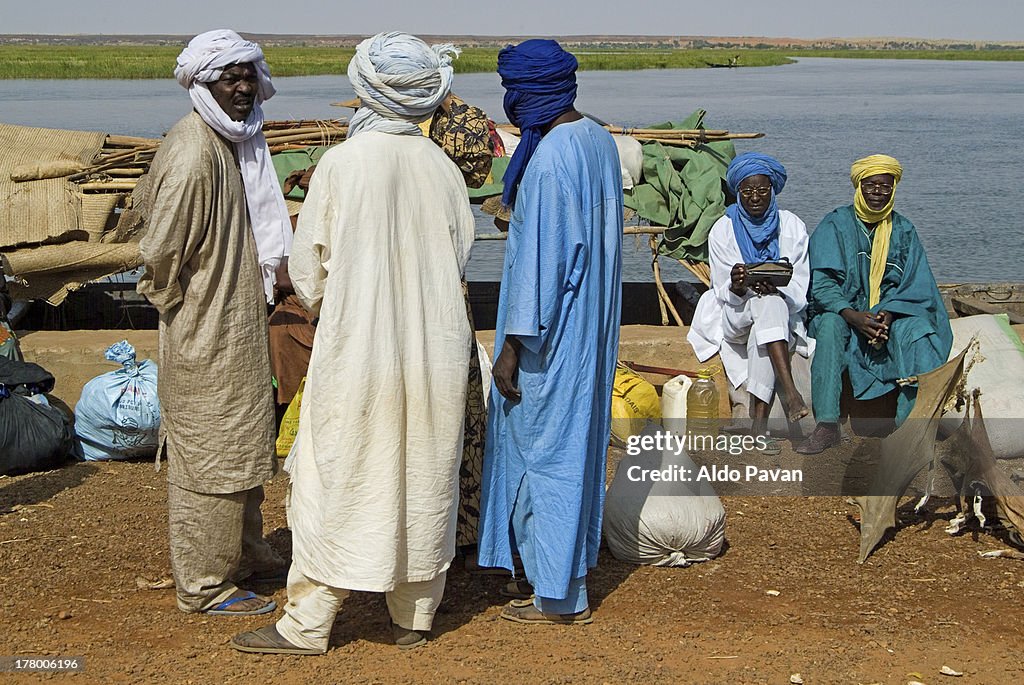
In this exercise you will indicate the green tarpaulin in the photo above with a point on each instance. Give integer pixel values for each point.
(683, 190)
(287, 162)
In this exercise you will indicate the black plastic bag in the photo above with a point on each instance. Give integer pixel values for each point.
(33, 436)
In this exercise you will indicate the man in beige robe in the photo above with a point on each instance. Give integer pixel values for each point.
(206, 266)
(382, 241)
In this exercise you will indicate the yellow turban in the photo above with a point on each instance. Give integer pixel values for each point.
(861, 169)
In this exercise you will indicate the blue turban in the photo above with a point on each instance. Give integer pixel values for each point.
(757, 237)
(539, 78)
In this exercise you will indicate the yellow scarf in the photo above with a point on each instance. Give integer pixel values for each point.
(861, 169)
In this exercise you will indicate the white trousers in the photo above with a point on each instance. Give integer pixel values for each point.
(760, 321)
(313, 606)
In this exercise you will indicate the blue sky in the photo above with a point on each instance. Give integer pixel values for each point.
(1000, 20)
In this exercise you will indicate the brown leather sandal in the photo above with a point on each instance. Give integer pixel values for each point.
(520, 612)
(267, 640)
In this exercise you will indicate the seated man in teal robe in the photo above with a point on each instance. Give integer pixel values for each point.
(556, 339)
(873, 308)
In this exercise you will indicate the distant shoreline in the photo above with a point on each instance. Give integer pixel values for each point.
(101, 61)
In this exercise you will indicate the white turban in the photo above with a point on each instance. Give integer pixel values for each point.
(400, 81)
(203, 61)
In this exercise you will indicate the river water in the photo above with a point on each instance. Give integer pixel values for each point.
(957, 128)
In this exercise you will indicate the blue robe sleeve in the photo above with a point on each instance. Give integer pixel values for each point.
(549, 259)
(828, 270)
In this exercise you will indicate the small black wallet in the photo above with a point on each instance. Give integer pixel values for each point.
(777, 273)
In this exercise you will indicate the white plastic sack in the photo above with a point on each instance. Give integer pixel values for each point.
(631, 160)
(118, 415)
(999, 373)
(661, 523)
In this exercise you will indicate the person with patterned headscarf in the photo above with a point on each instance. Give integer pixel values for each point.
(556, 342)
(381, 244)
(875, 310)
(217, 229)
(755, 326)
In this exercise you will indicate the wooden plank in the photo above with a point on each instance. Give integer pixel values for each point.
(968, 306)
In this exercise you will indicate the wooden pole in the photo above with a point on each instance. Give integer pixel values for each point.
(108, 185)
(129, 141)
(653, 243)
(626, 230)
(667, 133)
(698, 269)
(666, 301)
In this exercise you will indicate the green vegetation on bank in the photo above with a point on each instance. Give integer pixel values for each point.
(950, 55)
(143, 62)
(146, 62)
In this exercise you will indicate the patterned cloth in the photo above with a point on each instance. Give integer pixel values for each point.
(471, 470)
(463, 133)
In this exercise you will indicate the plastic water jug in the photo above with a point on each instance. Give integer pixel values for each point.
(673, 404)
(702, 406)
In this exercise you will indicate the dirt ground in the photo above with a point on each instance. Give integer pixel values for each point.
(73, 542)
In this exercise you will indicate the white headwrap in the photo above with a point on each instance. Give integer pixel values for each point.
(203, 61)
(400, 80)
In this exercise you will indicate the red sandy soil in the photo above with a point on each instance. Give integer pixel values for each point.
(73, 541)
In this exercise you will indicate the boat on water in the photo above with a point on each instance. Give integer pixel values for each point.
(114, 304)
(69, 225)
(732, 63)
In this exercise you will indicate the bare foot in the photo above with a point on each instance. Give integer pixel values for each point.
(797, 409)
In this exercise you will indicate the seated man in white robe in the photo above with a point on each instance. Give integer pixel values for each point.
(755, 326)
(379, 252)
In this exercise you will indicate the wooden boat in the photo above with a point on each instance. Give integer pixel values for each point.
(117, 306)
(104, 185)
(733, 62)
(967, 299)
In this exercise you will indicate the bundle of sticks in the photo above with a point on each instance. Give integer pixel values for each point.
(124, 159)
(666, 136)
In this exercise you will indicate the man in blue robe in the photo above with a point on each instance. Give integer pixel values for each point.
(556, 342)
(874, 308)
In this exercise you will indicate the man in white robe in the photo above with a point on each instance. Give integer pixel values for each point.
(382, 241)
(754, 328)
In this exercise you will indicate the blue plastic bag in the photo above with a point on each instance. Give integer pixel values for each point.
(118, 416)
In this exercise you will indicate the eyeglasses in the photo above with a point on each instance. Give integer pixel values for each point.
(869, 187)
(750, 191)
